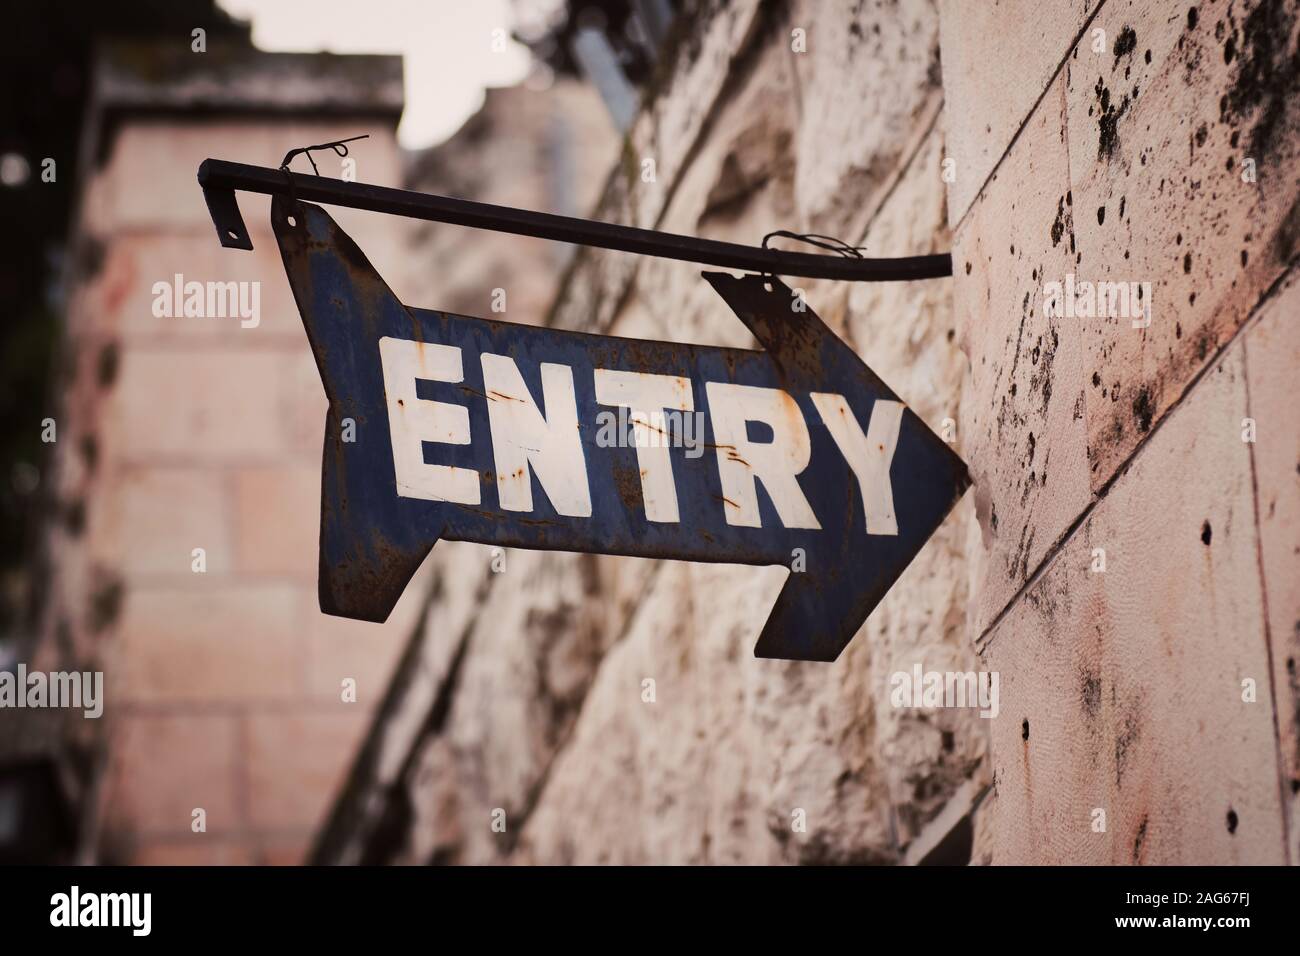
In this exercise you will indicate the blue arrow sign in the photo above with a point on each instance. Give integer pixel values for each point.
(448, 426)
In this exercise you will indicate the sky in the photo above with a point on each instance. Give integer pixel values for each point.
(447, 46)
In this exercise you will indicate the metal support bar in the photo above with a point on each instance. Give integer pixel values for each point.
(220, 178)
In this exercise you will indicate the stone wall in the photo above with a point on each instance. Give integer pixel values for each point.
(1136, 485)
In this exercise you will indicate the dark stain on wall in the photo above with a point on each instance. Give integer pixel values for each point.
(1125, 43)
(1268, 75)
(1090, 693)
(1144, 408)
(1108, 117)
(1128, 736)
(107, 366)
(1139, 840)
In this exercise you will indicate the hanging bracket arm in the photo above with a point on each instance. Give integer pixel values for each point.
(220, 180)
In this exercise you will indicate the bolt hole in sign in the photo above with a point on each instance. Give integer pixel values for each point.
(448, 426)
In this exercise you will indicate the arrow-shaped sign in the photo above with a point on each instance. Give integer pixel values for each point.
(448, 426)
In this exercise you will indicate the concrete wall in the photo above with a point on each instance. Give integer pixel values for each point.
(1121, 148)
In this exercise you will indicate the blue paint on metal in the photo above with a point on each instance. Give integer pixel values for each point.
(373, 540)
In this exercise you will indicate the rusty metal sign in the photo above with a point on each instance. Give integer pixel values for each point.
(446, 426)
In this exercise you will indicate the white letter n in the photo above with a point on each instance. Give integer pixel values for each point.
(522, 439)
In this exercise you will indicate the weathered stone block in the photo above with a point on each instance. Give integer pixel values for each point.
(163, 767)
(210, 643)
(1162, 129)
(293, 760)
(1272, 345)
(998, 59)
(1022, 426)
(1122, 690)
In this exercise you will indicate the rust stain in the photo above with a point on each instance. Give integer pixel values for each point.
(1140, 840)
(1124, 745)
(628, 485)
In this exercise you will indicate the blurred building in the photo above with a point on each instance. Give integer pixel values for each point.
(46, 58)
(190, 446)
